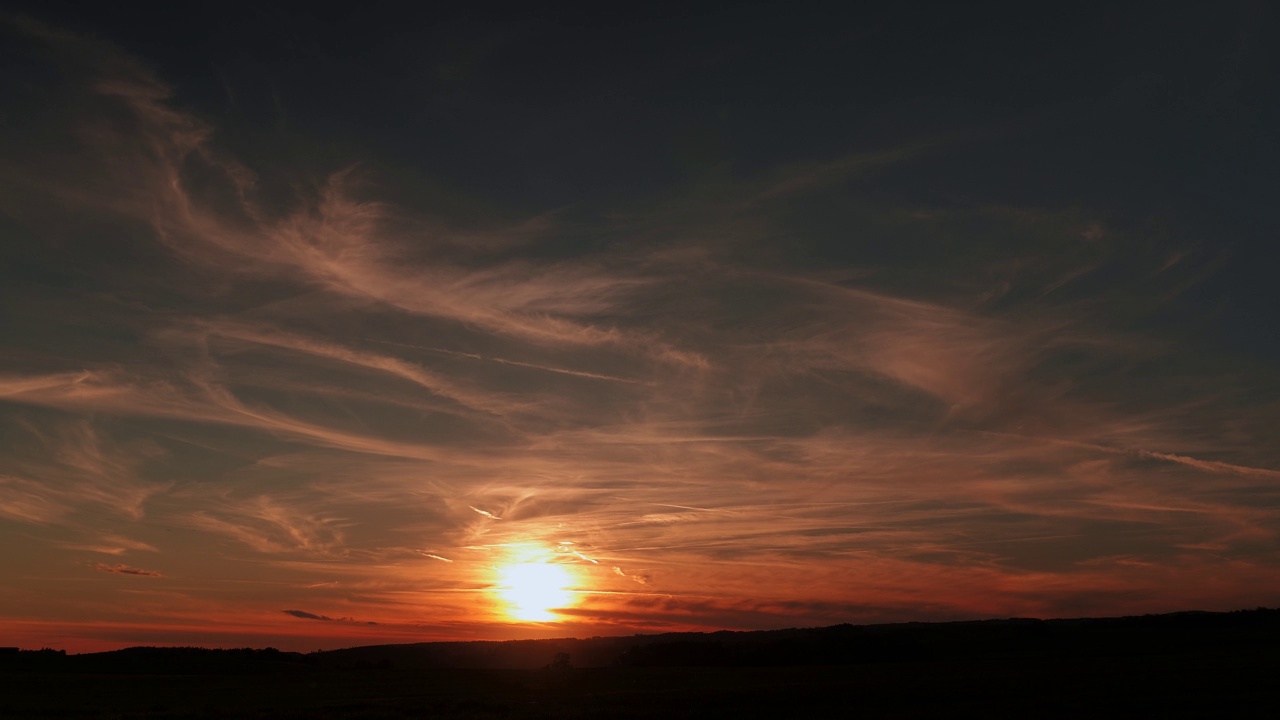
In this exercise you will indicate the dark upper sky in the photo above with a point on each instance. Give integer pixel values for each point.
(1139, 112)
(937, 310)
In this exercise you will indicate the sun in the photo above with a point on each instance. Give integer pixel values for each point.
(532, 590)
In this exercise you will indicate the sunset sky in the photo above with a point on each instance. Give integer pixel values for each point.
(323, 328)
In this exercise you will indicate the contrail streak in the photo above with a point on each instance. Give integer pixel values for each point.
(516, 363)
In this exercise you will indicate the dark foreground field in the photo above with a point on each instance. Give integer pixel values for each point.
(1164, 687)
(1193, 668)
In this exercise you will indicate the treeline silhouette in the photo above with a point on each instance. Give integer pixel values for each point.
(158, 660)
(1190, 632)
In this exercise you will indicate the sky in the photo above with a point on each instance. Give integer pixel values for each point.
(330, 327)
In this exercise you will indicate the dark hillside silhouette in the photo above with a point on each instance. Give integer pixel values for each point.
(1190, 664)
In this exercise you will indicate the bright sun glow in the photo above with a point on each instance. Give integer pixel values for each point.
(533, 590)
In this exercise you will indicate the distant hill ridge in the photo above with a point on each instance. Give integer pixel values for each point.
(1174, 633)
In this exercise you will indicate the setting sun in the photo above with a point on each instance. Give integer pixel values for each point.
(533, 590)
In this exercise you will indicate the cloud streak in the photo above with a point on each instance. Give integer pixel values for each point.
(121, 569)
(303, 614)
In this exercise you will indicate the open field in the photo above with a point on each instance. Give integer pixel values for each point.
(1202, 685)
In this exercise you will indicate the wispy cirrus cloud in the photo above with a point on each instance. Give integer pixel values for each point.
(112, 545)
(268, 525)
(74, 469)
